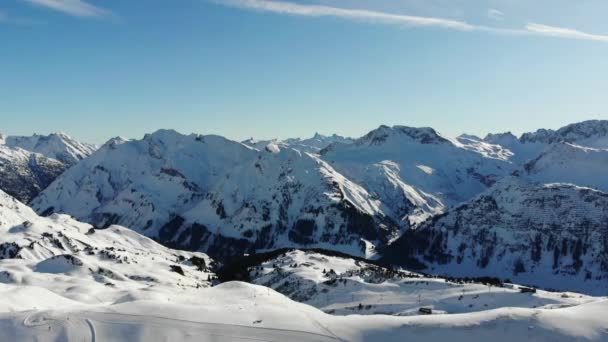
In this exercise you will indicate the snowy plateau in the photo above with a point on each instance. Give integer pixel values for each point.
(403, 233)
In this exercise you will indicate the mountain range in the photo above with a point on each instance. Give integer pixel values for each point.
(415, 197)
(402, 233)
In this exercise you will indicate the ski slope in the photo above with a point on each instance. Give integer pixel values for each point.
(241, 312)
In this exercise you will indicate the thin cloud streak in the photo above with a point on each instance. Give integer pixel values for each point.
(290, 8)
(77, 8)
(283, 7)
(562, 32)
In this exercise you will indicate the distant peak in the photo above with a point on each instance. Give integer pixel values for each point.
(570, 133)
(163, 135)
(422, 135)
(113, 142)
(495, 138)
(469, 137)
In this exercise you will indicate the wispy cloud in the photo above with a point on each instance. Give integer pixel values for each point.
(291, 8)
(309, 10)
(564, 32)
(495, 14)
(77, 8)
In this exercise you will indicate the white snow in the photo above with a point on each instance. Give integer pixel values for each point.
(61, 281)
(58, 146)
(344, 286)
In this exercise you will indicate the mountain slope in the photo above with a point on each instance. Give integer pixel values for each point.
(569, 163)
(553, 236)
(243, 312)
(345, 286)
(24, 174)
(211, 194)
(417, 172)
(591, 133)
(67, 257)
(58, 146)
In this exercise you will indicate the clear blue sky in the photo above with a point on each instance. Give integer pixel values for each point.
(97, 69)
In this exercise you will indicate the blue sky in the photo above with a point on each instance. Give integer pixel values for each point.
(262, 68)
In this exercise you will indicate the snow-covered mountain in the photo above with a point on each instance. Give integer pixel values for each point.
(28, 164)
(343, 286)
(69, 257)
(569, 163)
(317, 142)
(23, 174)
(58, 146)
(417, 172)
(551, 235)
(464, 207)
(591, 133)
(491, 150)
(311, 145)
(211, 194)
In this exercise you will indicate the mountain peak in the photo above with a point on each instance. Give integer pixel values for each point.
(59, 146)
(469, 137)
(423, 135)
(592, 133)
(494, 137)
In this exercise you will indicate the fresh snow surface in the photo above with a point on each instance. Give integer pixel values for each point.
(62, 281)
(237, 311)
(71, 261)
(344, 286)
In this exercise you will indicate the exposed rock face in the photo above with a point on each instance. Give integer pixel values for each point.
(553, 235)
(24, 174)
